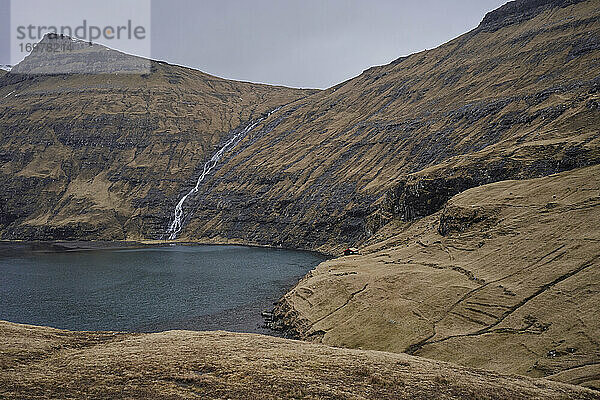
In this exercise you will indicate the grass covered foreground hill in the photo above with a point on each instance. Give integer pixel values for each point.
(48, 363)
(505, 277)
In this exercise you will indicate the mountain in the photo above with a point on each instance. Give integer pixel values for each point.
(112, 154)
(48, 363)
(90, 148)
(62, 55)
(466, 174)
(515, 98)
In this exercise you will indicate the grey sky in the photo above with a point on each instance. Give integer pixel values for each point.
(304, 43)
(299, 43)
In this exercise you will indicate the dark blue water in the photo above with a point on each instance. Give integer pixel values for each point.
(163, 288)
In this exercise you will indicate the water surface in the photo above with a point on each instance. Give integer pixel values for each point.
(150, 289)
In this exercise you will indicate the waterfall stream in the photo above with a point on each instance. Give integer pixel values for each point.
(177, 223)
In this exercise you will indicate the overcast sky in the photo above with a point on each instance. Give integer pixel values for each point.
(304, 43)
(299, 43)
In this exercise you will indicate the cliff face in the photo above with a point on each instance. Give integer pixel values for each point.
(518, 11)
(103, 153)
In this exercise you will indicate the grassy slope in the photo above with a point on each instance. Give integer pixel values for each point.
(47, 363)
(505, 277)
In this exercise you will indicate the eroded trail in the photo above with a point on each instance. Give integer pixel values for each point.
(177, 224)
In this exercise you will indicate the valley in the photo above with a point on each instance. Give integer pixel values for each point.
(466, 176)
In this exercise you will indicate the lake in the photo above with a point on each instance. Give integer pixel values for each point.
(150, 289)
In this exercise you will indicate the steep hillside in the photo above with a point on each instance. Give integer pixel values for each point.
(109, 155)
(506, 277)
(103, 152)
(515, 98)
(48, 363)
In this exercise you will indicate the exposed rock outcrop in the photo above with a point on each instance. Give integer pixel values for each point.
(518, 11)
(61, 55)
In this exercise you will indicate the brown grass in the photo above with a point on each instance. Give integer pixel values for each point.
(46, 363)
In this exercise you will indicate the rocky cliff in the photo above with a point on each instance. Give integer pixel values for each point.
(518, 11)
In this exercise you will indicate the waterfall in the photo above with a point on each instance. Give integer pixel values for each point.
(177, 223)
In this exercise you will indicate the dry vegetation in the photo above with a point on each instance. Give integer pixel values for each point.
(511, 285)
(46, 363)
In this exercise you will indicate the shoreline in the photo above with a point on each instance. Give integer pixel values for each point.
(235, 242)
(266, 319)
(59, 246)
(12, 247)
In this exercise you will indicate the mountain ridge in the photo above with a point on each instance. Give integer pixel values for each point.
(498, 109)
(517, 11)
(79, 116)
